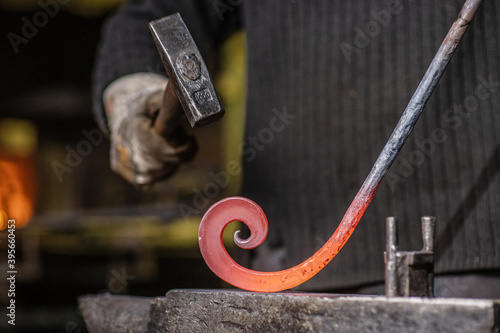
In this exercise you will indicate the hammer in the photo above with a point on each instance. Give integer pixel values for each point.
(190, 86)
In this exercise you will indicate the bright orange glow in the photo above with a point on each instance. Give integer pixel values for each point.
(17, 190)
(241, 209)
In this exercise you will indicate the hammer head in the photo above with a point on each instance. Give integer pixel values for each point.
(186, 70)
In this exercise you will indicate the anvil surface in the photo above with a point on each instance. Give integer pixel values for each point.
(239, 311)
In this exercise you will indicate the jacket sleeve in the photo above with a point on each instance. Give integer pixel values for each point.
(127, 46)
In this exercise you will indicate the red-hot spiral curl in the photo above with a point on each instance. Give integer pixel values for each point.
(241, 209)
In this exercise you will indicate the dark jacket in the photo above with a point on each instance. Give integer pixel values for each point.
(327, 83)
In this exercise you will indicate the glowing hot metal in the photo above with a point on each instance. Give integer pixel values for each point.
(245, 210)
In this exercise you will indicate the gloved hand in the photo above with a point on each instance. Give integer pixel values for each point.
(138, 153)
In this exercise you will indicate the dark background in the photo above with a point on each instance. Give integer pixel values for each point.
(91, 232)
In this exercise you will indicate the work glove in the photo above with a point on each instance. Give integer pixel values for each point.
(138, 153)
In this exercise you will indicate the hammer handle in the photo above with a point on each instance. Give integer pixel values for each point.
(167, 120)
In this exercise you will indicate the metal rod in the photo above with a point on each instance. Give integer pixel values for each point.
(428, 233)
(391, 278)
(230, 209)
(422, 94)
(406, 122)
